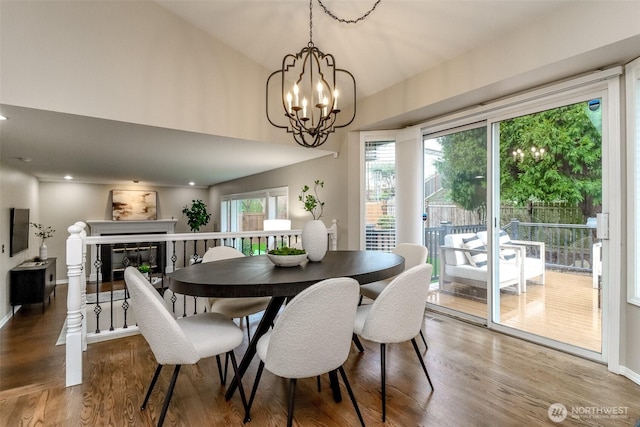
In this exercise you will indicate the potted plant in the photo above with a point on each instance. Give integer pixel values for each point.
(287, 257)
(145, 269)
(197, 215)
(44, 232)
(314, 233)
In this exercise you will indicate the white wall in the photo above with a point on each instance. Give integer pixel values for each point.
(17, 190)
(131, 61)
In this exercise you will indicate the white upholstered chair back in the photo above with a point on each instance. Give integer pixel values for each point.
(157, 325)
(398, 312)
(313, 333)
(413, 253)
(218, 253)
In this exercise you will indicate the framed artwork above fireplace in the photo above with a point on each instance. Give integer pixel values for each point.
(133, 205)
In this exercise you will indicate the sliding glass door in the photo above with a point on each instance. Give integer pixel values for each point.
(547, 254)
(516, 219)
(455, 210)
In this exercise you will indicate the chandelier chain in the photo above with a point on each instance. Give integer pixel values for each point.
(348, 21)
(310, 22)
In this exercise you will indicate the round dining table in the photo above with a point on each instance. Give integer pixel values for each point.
(255, 276)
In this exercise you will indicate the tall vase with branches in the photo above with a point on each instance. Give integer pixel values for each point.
(43, 232)
(314, 233)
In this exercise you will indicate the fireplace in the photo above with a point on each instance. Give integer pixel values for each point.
(117, 256)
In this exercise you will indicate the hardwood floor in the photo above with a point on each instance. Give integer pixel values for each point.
(481, 378)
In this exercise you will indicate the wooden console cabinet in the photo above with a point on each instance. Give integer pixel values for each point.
(33, 282)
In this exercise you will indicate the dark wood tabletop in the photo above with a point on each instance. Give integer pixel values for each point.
(257, 276)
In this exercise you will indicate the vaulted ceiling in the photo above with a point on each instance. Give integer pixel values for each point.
(398, 40)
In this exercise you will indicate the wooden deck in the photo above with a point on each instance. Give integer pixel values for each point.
(565, 308)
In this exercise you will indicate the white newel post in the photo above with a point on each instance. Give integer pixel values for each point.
(83, 284)
(333, 235)
(74, 314)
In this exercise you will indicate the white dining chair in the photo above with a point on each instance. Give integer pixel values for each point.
(235, 308)
(182, 341)
(414, 254)
(396, 316)
(311, 337)
(185, 305)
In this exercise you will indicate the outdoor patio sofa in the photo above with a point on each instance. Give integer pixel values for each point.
(463, 259)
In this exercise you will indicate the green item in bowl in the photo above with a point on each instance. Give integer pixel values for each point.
(287, 251)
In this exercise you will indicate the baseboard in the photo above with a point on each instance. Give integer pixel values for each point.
(8, 316)
(632, 375)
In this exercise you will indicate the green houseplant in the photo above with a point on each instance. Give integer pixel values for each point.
(197, 215)
(311, 201)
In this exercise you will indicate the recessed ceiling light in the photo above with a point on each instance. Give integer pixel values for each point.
(68, 177)
(24, 159)
(3, 117)
(192, 183)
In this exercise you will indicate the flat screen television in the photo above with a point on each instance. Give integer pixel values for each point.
(19, 231)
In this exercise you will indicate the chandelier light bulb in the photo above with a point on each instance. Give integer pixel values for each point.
(289, 99)
(296, 90)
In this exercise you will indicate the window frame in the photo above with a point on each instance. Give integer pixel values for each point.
(632, 76)
(228, 209)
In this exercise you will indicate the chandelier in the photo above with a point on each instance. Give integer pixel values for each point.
(310, 87)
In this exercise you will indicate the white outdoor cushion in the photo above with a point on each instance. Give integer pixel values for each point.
(455, 241)
(476, 257)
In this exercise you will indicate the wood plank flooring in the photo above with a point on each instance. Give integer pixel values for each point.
(481, 378)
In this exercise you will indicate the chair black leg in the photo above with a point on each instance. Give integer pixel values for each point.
(424, 340)
(247, 414)
(226, 367)
(351, 395)
(424, 367)
(319, 386)
(222, 377)
(383, 370)
(153, 383)
(234, 364)
(248, 328)
(357, 342)
(167, 399)
(360, 300)
(292, 395)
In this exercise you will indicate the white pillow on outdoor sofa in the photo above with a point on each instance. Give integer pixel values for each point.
(506, 254)
(476, 258)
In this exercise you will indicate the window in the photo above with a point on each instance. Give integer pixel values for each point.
(380, 192)
(247, 211)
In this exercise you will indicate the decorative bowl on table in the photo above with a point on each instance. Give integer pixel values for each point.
(287, 257)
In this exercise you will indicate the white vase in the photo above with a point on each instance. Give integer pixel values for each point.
(43, 251)
(315, 240)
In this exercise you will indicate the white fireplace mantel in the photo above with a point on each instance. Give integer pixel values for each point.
(106, 227)
(102, 227)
